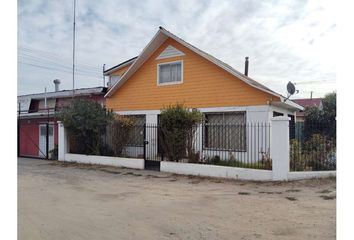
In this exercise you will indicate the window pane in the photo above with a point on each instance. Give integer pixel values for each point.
(226, 131)
(164, 74)
(50, 130)
(43, 130)
(170, 73)
(136, 136)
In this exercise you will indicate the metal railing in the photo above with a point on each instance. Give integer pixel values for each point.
(237, 145)
(313, 148)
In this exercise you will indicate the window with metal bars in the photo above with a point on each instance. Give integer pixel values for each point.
(225, 131)
(136, 134)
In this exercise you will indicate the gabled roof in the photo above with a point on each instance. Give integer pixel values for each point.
(160, 37)
(119, 66)
(307, 102)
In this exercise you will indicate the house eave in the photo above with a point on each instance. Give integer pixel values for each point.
(119, 66)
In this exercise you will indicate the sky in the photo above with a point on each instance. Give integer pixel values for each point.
(285, 40)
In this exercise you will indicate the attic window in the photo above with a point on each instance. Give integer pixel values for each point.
(170, 73)
(113, 79)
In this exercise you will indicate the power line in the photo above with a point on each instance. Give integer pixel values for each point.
(49, 59)
(47, 54)
(32, 59)
(315, 82)
(56, 69)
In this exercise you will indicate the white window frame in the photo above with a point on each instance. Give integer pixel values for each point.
(110, 79)
(169, 83)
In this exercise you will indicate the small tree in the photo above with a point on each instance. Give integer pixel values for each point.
(178, 127)
(120, 132)
(322, 121)
(85, 121)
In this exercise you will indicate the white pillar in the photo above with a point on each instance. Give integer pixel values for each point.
(62, 141)
(279, 148)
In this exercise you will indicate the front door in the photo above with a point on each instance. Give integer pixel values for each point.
(43, 139)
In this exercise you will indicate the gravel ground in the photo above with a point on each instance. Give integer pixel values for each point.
(75, 201)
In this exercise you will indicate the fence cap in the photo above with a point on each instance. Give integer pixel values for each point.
(281, 118)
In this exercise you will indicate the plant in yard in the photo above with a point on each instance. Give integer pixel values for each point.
(120, 129)
(322, 121)
(85, 121)
(177, 130)
(297, 162)
(318, 152)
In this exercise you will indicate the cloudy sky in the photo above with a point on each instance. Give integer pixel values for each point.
(285, 40)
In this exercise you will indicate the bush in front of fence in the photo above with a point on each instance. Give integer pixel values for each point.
(232, 162)
(177, 131)
(318, 151)
(316, 154)
(297, 162)
(120, 130)
(85, 121)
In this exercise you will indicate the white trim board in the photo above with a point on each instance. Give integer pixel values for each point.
(169, 52)
(260, 108)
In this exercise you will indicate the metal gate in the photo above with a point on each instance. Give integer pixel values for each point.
(36, 137)
(152, 151)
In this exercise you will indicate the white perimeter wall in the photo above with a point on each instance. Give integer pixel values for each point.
(216, 171)
(312, 174)
(102, 160)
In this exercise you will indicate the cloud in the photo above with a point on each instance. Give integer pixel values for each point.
(285, 40)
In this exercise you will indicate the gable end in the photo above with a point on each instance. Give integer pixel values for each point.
(169, 52)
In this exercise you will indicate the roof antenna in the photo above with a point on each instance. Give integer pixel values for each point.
(104, 80)
(74, 48)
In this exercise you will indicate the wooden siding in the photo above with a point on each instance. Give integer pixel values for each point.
(204, 85)
(121, 71)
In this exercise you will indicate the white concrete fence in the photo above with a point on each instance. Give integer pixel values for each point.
(279, 153)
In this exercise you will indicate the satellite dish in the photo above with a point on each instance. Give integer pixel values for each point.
(291, 88)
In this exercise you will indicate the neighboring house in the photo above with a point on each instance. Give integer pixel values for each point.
(170, 70)
(36, 110)
(306, 102)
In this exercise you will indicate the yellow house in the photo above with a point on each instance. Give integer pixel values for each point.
(170, 70)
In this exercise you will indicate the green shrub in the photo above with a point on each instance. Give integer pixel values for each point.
(85, 121)
(235, 163)
(317, 151)
(178, 127)
(297, 162)
(120, 129)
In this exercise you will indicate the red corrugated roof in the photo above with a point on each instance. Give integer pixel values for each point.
(307, 102)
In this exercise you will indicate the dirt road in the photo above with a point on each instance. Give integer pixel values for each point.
(60, 201)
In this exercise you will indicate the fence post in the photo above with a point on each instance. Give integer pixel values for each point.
(279, 148)
(62, 142)
(47, 140)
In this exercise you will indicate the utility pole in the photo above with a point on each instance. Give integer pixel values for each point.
(104, 80)
(45, 97)
(74, 48)
(18, 130)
